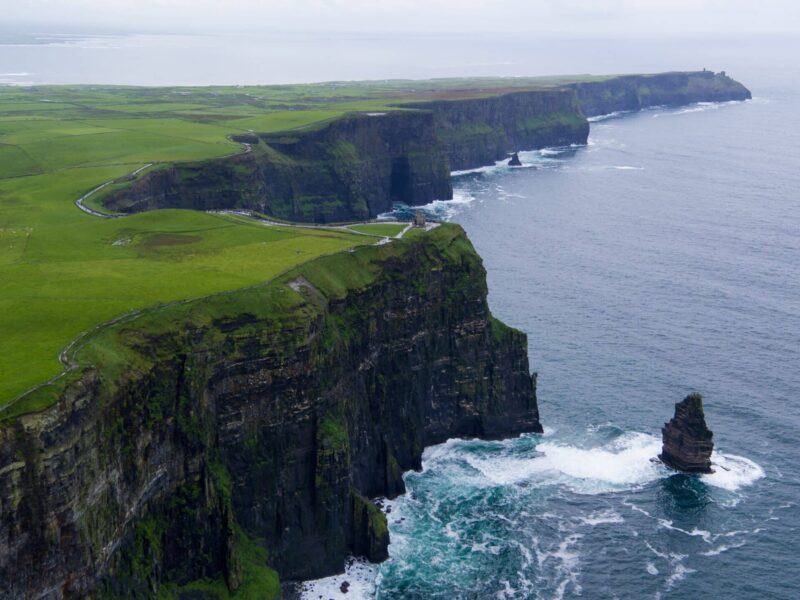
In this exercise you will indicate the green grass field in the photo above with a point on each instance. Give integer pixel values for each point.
(384, 229)
(63, 271)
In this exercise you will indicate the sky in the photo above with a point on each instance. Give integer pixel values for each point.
(640, 18)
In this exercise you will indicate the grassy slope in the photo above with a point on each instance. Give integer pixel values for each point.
(387, 229)
(63, 271)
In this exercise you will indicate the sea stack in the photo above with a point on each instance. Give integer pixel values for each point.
(514, 162)
(687, 440)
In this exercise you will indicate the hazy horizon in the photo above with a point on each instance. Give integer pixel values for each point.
(656, 18)
(245, 42)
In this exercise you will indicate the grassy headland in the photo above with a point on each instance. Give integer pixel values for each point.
(64, 271)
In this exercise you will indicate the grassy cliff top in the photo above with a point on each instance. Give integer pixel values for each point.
(64, 271)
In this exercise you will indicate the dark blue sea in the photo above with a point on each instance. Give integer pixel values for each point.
(662, 258)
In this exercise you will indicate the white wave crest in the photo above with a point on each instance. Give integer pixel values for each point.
(732, 472)
(602, 517)
(697, 107)
(360, 576)
(706, 535)
(610, 115)
(720, 549)
(621, 464)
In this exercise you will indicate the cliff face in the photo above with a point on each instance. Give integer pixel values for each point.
(635, 92)
(481, 131)
(355, 167)
(250, 428)
(351, 168)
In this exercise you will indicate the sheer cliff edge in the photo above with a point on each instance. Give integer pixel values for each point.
(238, 438)
(355, 167)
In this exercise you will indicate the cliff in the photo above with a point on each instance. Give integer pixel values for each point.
(480, 131)
(210, 444)
(635, 92)
(355, 167)
(351, 168)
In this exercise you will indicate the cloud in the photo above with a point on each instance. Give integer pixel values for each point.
(541, 17)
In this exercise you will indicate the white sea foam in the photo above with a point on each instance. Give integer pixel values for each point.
(720, 549)
(610, 115)
(359, 574)
(602, 517)
(483, 169)
(447, 209)
(623, 463)
(678, 574)
(697, 107)
(706, 535)
(732, 472)
(529, 159)
(651, 568)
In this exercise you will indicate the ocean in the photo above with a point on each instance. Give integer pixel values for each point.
(662, 258)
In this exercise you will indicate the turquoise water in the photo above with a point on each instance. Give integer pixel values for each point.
(662, 258)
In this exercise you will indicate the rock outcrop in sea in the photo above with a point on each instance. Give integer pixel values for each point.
(514, 161)
(687, 439)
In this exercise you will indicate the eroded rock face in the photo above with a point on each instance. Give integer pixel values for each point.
(357, 166)
(480, 131)
(514, 161)
(273, 413)
(634, 92)
(687, 439)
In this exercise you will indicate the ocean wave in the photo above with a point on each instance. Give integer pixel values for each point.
(360, 576)
(702, 533)
(696, 107)
(529, 159)
(603, 517)
(732, 472)
(622, 463)
(720, 549)
(611, 115)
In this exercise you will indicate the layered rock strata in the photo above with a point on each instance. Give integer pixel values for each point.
(687, 440)
(628, 93)
(246, 432)
(355, 167)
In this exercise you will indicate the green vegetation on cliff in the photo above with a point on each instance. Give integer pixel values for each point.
(202, 444)
(64, 271)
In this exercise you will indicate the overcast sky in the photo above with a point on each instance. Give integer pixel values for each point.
(662, 18)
